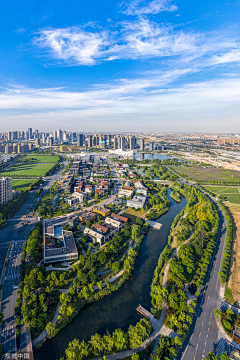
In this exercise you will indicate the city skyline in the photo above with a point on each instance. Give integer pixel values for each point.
(149, 65)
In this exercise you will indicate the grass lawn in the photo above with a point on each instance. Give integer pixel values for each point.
(230, 192)
(21, 185)
(223, 189)
(208, 174)
(135, 212)
(27, 169)
(43, 158)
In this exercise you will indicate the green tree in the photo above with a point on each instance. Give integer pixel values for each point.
(76, 351)
(1, 318)
(50, 327)
(217, 313)
(88, 224)
(116, 267)
(135, 356)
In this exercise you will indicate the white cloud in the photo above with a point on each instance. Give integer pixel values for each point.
(144, 38)
(139, 7)
(72, 44)
(136, 39)
(228, 57)
(205, 106)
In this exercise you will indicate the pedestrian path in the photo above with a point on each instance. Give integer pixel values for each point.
(220, 345)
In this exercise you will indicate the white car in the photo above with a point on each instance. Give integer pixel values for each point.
(15, 287)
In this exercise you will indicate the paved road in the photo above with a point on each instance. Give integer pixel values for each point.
(3, 253)
(9, 294)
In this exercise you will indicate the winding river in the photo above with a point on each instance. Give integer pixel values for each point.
(118, 310)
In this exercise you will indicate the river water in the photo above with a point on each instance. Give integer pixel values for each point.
(145, 156)
(118, 310)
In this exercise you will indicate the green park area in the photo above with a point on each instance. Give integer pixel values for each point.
(135, 212)
(41, 158)
(25, 170)
(22, 185)
(228, 193)
(208, 174)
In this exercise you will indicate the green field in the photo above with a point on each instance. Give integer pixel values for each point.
(27, 170)
(21, 185)
(42, 158)
(208, 174)
(230, 192)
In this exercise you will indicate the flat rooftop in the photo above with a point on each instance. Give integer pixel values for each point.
(69, 248)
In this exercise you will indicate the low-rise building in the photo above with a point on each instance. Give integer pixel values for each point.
(125, 193)
(119, 217)
(89, 216)
(102, 211)
(59, 244)
(137, 202)
(113, 222)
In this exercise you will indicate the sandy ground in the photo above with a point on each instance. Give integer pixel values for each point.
(234, 279)
(233, 165)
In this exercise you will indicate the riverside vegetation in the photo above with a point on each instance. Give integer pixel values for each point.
(192, 262)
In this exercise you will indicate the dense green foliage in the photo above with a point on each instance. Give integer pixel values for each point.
(107, 344)
(36, 295)
(9, 208)
(200, 216)
(223, 274)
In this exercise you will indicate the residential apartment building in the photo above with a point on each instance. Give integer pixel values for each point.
(5, 189)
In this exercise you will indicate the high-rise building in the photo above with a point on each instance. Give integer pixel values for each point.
(73, 137)
(19, 135)
(9, 135)
(15, 147)
(59, 135)
(79, 139)
(30, 133)
(43, 138)
(108, 140)
(115, 141)
(119, 142)
(37, 142)
(132, 142)
(122, 142)
(151, 146)
(36, 134)
(5, 189)
(89, 140)
(22, 135)
(64, 137)
(142, 144)
(102, 141)
(30, 146)
(26, 135)
(8, 149)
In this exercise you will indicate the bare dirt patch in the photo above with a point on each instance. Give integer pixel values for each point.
(234, 278)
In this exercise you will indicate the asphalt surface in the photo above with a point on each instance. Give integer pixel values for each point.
(9, 294)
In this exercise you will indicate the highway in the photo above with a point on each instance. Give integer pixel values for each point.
(9, 295)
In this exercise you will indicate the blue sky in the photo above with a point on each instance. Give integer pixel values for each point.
(134, 65)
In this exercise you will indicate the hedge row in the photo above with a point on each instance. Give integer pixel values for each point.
(223, 274)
